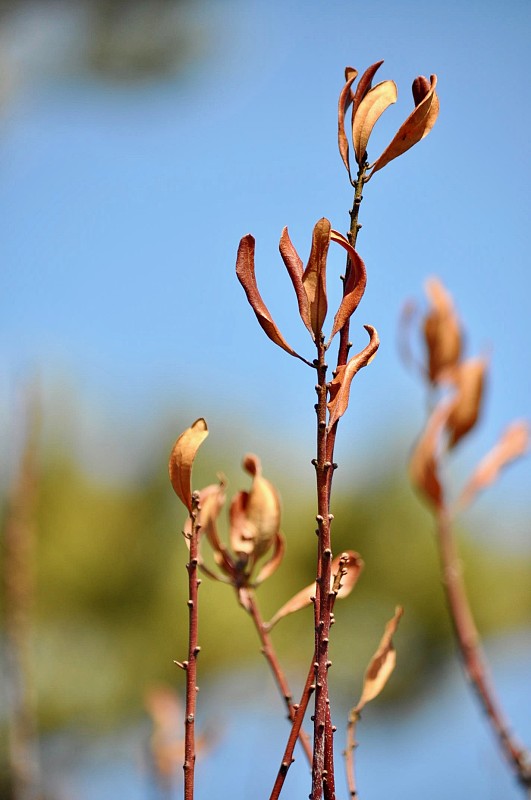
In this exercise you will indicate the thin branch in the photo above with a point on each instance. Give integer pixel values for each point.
(472, 655)
(351, 745)
(270, 654)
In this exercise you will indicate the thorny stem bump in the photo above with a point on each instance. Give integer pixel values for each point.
(470, 649)
(193, 652)
(280, 679)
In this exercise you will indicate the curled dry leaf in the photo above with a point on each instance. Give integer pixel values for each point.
(369, 111)
(466, 405)
(302, 599)
(355, 283)
(424, 462)
(442, 331)
(364, 84)
(512, 444)
(339, 388)
(272, 564)
(382, 664)
(417, 125)
(254, 515)
(314, 276)
(246, 275)
(182, 458)
(294, 267)
(345, 99)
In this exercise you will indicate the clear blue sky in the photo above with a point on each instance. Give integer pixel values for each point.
(121, 212)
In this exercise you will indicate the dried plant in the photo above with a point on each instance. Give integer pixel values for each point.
(256, 546)
(457, 388)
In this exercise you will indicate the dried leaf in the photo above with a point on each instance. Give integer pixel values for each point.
(424, 462)
(442, 331)
(254, 515)
(314, 277)
(375, 102)
(354, 287)
(294, 267)
(382, 663)
(416, 127)
(339, 388)
(466, 405)
(364, 84)
(345, 99)
(272, 564)
(246, 276)
(512, 444)
(181, 460)
(302, 599)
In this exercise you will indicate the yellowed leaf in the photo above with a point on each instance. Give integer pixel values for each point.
(339, 389)
(381, 665)
(352, 566)
(466, 405)
(416, 126)
(512, 444)
(182, 458)
(375, 102)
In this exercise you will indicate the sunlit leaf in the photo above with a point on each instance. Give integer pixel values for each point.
(339, 388)
(294, 267)
(246, 276)
(314, 277)
(364, 84)
(382, 663)
(442, 331)
(375, 102)
(182, 458)
(355, 283)
(512, 444)
(416, 127)
(345, 99)
(352, 566)
(466, 406)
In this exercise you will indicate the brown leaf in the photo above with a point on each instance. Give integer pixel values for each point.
(375, 102)
(364, 84)
(246, 276)
(254, 515)
(302, 599)
(314, 277)
(512, 444)
(345, 99)
(382, 663)
(416, 127)
(442, 331)
(354, 287)
(272, 564)
(294, 267)
(339, 388)
(466, 405)
(181, 460)
(424, 462)
(211, 501)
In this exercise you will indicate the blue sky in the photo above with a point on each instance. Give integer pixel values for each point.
(122, 208)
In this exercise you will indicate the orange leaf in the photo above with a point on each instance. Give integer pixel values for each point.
(354, 287)
(375, 102)
(345, 99)
(364, 84)
(246, 276)
(254, 515)
(466, 405)
(442, 331)
(339, 388)
(512, 444)
(314, 277)
(302, 599)
(293, 263)
(181, 460)
(382, 663)
(416, 127)
(424, 462)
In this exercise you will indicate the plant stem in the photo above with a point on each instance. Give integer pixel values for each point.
(351, 745)
(469, 646)
(270, 654)
(193, 651)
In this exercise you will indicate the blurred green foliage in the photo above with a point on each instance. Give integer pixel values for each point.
(111, 589)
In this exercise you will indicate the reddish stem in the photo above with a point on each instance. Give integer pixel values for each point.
(193, 651)
(270, 654)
